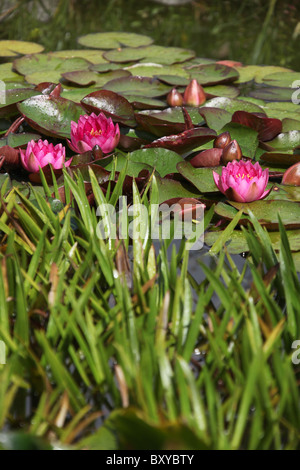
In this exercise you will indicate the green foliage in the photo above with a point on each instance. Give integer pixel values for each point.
(111, 352)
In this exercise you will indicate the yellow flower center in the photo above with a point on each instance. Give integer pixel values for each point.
(95, 133)
(238, 175)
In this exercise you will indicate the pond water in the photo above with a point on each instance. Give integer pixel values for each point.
(251, 31)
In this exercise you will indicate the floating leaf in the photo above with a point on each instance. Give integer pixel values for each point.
(139, 86)
(41, 63)
(272, 93)
(113, 40)
(164, 161)
(92, 55)
(279, 79)
(245, 136)
(215, 118)
(113, 105)
(201, 178)
(286, 141)
(281, 158)
(221, 90)
(186, 141)
(267, 128)
(231, 105)
(160, 54)
(168, 189)
(86, 77)
(18, 140)
(212, 74)
(258, 72)
(14, 48)
(50, 115)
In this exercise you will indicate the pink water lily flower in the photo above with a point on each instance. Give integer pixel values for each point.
(41, 153)
(242, 181)
(94, 130)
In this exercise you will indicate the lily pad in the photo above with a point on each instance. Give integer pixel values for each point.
(258, 72)
(267, 211)
(215, 118)
(139, 86)
(237, 242)
(92, 55)
(164, 161)
(201, 178)
(186, 141)
(231, 105)
(50, 115)
(113, 105)
(286, 141)
(87, 78)
(168, 189)
(113, 40)
(160, 54)
(212, 74)
(221, 90)
(153, 69)
(279, 79)
(18, 140)
(41, 63)
(10, 48)
(267, 128)
(280, 158)
(272, 93)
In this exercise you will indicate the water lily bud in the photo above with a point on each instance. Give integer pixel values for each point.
(175, 98)
(222, 140)
(194, 94)
(231, 152)
(292, 175)
(97, 152)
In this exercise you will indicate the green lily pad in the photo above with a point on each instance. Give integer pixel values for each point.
(212, 74)
(164, 161)
(6, 72)
(168, 189)
(16, 95)
(222, 90)
(156, 70)
(14, 48)
(92, 55)
(290, 124)
(176, 115)
(158, 54)
(201, 178)
(286, 141)
(237, 242)
(86, 77)
(215, 118)
(272, 93)
(141, 86)
(50, 115)
(267, 211)
(286, 79)
(231, 105)
(18, 140)
(174, 80)
(41, 63)
(76, 94)
(258, 72)
(113, 40)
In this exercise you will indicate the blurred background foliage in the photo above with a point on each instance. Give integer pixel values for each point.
(252, 31)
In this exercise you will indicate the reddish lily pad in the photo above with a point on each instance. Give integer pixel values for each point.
(207, 158)
(186, 141)
(213, 74)
(267, 128)
(113, 105)
(156, 126)
(50, 115)
(281, 158)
